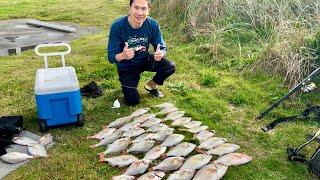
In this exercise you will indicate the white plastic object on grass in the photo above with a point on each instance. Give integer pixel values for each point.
(116, 104)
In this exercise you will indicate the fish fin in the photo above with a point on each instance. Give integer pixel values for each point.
(213, 131)
(124, 152)
(194, 136)
(163, 156)
(105, 127)
(187, 130)
(124, 172)
(150, 169)
(15, 138)
(198, 150)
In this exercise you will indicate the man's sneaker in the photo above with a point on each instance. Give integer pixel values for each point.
(154, 92)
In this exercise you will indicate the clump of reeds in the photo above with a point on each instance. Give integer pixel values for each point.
(278, 29)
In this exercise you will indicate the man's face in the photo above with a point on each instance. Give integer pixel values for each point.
(139, 11)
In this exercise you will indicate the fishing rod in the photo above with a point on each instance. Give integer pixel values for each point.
(302, 84)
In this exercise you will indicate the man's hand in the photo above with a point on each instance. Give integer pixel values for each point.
(127, 53)
(158, 55)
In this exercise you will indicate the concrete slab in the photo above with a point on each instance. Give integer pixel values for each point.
(17, 36)
(5, 168)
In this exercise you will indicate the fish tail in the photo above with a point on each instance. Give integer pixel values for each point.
(102, 158)
(94, 146)
(90, 137)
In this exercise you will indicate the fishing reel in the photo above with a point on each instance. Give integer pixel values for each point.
(309, 87)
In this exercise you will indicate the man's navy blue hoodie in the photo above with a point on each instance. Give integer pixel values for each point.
(139, 39)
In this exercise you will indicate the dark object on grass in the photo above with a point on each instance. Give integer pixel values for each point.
(314, 162)
(303, 116)
(293, 90)
(2, 151)
(9, 126)
(91, 90)
(3, 144)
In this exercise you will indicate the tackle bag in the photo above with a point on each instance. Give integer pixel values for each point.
(9, 126)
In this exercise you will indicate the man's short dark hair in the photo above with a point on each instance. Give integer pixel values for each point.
(131, 1)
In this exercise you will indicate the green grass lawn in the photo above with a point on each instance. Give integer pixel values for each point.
(226, 101)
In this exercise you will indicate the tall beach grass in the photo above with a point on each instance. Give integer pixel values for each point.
(277, 37)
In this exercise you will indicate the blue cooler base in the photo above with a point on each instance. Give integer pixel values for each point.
(59, 108)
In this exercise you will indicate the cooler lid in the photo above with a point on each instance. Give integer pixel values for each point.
(56, 80)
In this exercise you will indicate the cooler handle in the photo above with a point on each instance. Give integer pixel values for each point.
(45, 55)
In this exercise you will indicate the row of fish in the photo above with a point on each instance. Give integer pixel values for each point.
(35, 149)
(186, 170)
(146, 131)
(110, 135)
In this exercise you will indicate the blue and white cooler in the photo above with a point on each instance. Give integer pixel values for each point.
(57, 92)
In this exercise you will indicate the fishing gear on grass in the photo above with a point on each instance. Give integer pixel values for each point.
(314, 162)
(303, 116)
(10, 125)
(305, 85)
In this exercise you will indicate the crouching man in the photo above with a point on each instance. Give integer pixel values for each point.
(128, 47)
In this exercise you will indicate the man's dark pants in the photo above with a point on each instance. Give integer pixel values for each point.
(130, 78)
